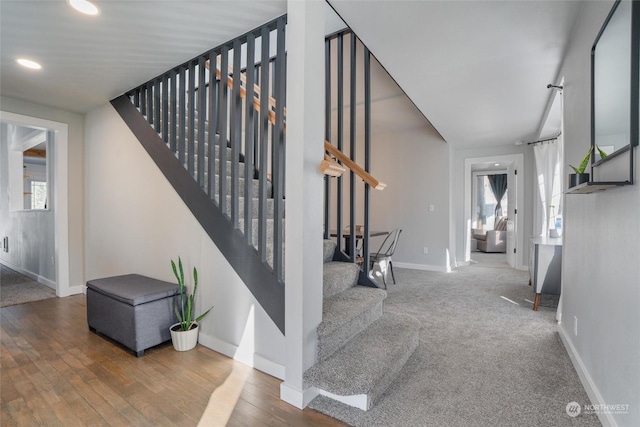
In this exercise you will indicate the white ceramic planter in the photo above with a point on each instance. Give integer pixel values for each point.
(184, 340)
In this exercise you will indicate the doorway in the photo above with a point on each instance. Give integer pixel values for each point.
(58, 205)
(502, 164)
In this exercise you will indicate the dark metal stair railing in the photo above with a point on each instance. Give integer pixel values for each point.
(200, 110)
(336, 86)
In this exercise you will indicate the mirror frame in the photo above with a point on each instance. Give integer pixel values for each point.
(634, 117)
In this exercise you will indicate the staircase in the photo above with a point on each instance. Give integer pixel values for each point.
(360, 349)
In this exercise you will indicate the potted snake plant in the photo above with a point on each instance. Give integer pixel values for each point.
(580, 176)
(184, 334)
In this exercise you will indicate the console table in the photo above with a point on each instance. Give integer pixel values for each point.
(545, 266)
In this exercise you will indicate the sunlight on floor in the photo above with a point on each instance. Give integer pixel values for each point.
(224, 399)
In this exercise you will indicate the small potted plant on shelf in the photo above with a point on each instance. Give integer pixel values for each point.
(184, 334)
(580, 176)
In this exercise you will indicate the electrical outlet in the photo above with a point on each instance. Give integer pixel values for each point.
(575, 326)
(432, 208)
(425, 250)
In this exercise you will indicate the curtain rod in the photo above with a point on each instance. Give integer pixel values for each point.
(544, 140)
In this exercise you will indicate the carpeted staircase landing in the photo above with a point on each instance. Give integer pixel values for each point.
(360, 349)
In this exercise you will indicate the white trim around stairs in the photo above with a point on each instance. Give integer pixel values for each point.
(298, 398)
(425, 267)
(231, 350)
(606, 418)
(360, 401)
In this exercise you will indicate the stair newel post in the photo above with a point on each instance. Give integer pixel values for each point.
(249, 137)
(264, 143)
(191, 108)
(367, 155)
(236, 132)
(327, 133)
(222, 127)
(340, 117)
(173, 110)
(202, 109)
(279, 150)
(213, 122)
(182, 122)
(352, 145)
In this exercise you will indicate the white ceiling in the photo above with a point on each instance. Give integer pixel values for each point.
(477, 70)
(89, 60)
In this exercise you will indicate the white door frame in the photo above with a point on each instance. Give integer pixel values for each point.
(60, 173)
(518, 160)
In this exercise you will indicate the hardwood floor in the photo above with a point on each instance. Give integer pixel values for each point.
(55, 372)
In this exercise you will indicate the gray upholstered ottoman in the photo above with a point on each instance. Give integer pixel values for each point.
(133, 310)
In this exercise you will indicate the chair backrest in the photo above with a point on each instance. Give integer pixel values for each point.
(388, 246)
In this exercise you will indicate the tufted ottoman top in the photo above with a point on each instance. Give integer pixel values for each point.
(133, 289)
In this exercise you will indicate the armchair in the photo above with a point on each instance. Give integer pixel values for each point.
(492, 240)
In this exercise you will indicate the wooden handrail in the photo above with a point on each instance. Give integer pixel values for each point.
(327, 166)
(330, 167)
(346, 161)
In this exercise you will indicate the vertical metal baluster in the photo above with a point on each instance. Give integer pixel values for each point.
(352, 146)
(367, 154)
(173, 114)
(143, 99)
(340, 96)
(182, 124)
(279, 150)
(191, 105)
(156, 107)
(136, 97)
(264, 143)
(165, 108)
(222, 127)
(249, 137)
(150, 102)
(236, 133)
(327, 133)
(213, 122)
(202, 110)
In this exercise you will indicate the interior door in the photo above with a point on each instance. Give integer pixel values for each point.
(512, 201)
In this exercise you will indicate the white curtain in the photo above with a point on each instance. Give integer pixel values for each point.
(549, 181)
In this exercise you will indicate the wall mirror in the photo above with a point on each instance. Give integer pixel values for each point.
(615, 83)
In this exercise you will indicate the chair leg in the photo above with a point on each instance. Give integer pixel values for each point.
(392, 276)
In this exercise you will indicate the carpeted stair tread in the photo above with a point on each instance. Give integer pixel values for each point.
(345, 315)
(338, 277)
(328, 250)
(370, 361)
(254, 207)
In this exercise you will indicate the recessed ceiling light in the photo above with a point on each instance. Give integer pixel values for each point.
(496, 164)
(84, 6)
(29, 63)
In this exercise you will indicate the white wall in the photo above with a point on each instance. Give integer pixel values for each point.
(414, 163)
(600, 269)
(459, 221)
(136, 223)
(69, 247)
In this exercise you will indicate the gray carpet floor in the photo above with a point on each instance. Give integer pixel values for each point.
(16, 288)
(485, 358)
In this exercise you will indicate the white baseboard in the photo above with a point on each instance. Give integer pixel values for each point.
(606, 418)
(425, 267)
(298, 398)
(74, 290)
(231, 350)
(42, 280)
